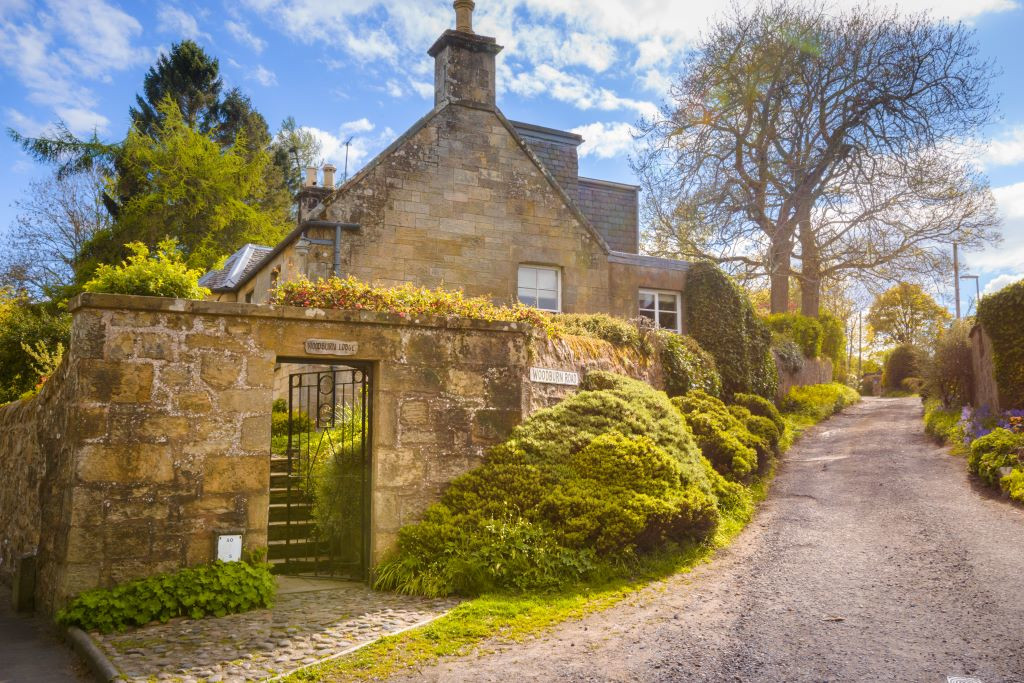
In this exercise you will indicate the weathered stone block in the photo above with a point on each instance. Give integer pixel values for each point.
(193, 402)
(236, 474)
(125, 464)
(162, 428)
(109, 381)
(245, 400)
(157, 346)
(256, 433)
(220, 371)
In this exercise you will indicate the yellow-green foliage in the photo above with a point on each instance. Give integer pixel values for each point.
(723, 438)
(941, 424)
(902, 362)
(686, 365)
(999, 448)
(1013, 485)
(604, 475)
(759, 405)
(818, 401)
(804, 330)
(601, 326)
(162, 274)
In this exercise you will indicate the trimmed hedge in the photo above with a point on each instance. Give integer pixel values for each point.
(723, 438)
(758, 405)
(215, 589)
(805, 331)
(609, 473)
(686, 365)
(1002, 316)
(720, 317)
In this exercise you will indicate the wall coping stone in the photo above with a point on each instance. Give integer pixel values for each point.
(92, 300)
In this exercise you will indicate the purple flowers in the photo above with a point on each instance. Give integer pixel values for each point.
(978, 423)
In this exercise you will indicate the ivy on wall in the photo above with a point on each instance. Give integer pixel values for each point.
(1002, 316)
(722, 320)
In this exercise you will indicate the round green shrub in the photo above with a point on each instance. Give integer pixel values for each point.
(998, 448)
(723, 439)
(948, 374)
(607, 474)
(805, 331)
(162, 274)
(686, 365)
(759, 405)
(901, 363)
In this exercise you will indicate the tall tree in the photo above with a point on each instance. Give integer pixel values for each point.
(54, 222)
(787, 107)
(294, 149)
(186, 186)
(906, 314)
(191, 78)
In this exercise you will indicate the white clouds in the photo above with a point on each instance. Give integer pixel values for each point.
(24, 124)
(179, 22)
(263, 76)
(1000, 281)
(1005, 150)
(1010, 254)
(362, 148)
(240, 32)
(575, 90)
(97, 39)
(422, 88)
(605, 140)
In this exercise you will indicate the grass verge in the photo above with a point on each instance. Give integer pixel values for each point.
(513, 618)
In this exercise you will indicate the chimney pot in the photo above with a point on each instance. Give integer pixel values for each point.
(464, 15)
(329, 170)
(310, 176)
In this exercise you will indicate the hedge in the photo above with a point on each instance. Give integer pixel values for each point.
(686, 365)
(723, 439)
(722, 321)
(579, 488)
(818, 401)
(1002, 316)
(901, 363)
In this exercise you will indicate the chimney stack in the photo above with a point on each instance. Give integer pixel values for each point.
(464, 69)
(464, 15)
(329, 170)
(310, 176)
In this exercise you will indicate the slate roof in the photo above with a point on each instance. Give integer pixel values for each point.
(236, 268)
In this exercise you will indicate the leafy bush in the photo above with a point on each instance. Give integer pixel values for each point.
(686, 365)
(833, 339)
(577, 488)
(600, 326)
(789, 354)
(216, 589)
(759, 405)
(1002, 316)
(901, 363)
(722, 321)
(162, 274)
(723, 439)
(948, 375)
(280, 422)
(942, 424)
(805, 331)
(28, 331)
(761, 427)
(912, 385)
(999, 448)
(1013, 485)
(818, 401)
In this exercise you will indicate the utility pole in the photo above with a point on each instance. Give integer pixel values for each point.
(977, 289)
(956, 278)
(860, 344)
(347, 143)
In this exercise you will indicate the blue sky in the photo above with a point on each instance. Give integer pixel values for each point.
(360, 68)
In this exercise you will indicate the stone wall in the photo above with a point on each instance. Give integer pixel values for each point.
(38, 438)
(814, 371)
(986, 391)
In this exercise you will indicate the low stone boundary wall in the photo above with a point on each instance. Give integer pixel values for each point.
(813, 371)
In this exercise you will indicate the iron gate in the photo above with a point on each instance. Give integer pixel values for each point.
(320, 487)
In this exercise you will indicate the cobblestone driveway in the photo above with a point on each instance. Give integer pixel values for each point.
(311, 619)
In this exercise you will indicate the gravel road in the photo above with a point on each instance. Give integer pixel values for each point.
(874, 559)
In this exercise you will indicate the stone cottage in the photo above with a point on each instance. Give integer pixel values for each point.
(467, 199)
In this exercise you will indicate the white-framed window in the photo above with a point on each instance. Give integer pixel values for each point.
(664, 308)
(541, 287)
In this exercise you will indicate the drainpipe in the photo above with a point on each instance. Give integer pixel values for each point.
(336, 242)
